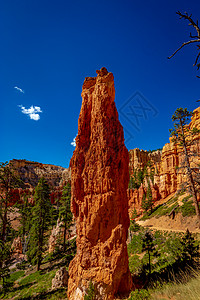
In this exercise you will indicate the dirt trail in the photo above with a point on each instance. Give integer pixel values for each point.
(178, 224)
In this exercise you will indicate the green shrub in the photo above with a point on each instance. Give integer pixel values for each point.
(139, 295)
(135, 246)
(134, 227)
(135, 264)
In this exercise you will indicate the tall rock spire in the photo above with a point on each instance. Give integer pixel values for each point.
(99, 177)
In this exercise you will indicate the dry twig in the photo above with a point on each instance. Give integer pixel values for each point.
(195, 38)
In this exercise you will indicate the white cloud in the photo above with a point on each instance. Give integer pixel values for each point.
(74, 142)
(18, 89)
(32, 112)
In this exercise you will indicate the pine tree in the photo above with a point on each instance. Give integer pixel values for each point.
(184, 137)
(25, 210)
(190, 248)
(65, 212)
(147, 201)
(8, 181)
(5, 254)
(40, 222)
(140, 176)
(149, 246)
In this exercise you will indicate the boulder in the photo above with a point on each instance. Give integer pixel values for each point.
(61, 279)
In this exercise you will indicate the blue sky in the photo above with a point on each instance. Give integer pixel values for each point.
(49, 47)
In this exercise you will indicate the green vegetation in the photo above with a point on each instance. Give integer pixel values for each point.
(184, 137)
(149, 246)
(156, 258)
(147, 201)
(40, 222)
(142, 294)
(65, 212)
(90, 292)
(25, 210)
(5, 254)
(138, 176)
(136, 179)
(35, 219)
(33, 284)
(134, 227)
(8, 181)
(188, 209)
(36, 285)
(185, 288)
(190, 249)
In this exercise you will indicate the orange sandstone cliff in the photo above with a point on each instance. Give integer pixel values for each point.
(167, 178)
(99, 181)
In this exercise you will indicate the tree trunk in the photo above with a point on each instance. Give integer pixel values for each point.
(64, 238)
(190, 177)
(4, 225)
(149, 263)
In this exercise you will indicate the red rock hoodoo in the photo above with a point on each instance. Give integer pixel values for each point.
(99, 181)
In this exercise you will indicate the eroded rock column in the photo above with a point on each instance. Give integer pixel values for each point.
(99, 178)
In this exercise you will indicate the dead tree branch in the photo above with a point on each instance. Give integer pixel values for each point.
(195, 38)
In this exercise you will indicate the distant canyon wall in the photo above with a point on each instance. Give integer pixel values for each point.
(30, 172)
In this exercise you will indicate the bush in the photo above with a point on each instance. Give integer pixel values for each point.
(135, 246)
(134, 227)
(139, 295)
(135, 264)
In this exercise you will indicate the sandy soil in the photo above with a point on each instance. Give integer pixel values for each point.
(179, 223)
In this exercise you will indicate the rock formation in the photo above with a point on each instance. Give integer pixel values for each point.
(17, 246)
(30, 172)
(56, 231)
(166, 180)
(61, 279)
(99, 178)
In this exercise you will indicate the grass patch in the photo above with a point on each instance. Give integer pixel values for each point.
(187, 290)
(173, 274)
(162, 210)
(142, 294)
(188, 209)
(30, 286)
(15, 276)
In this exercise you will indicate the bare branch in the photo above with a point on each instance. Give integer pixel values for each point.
(193, 36)
(184, 44)
(192, 23)
(196, 38)
(197, 59)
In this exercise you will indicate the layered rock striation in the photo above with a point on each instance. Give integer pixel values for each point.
(30, 172)
(99, 181)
